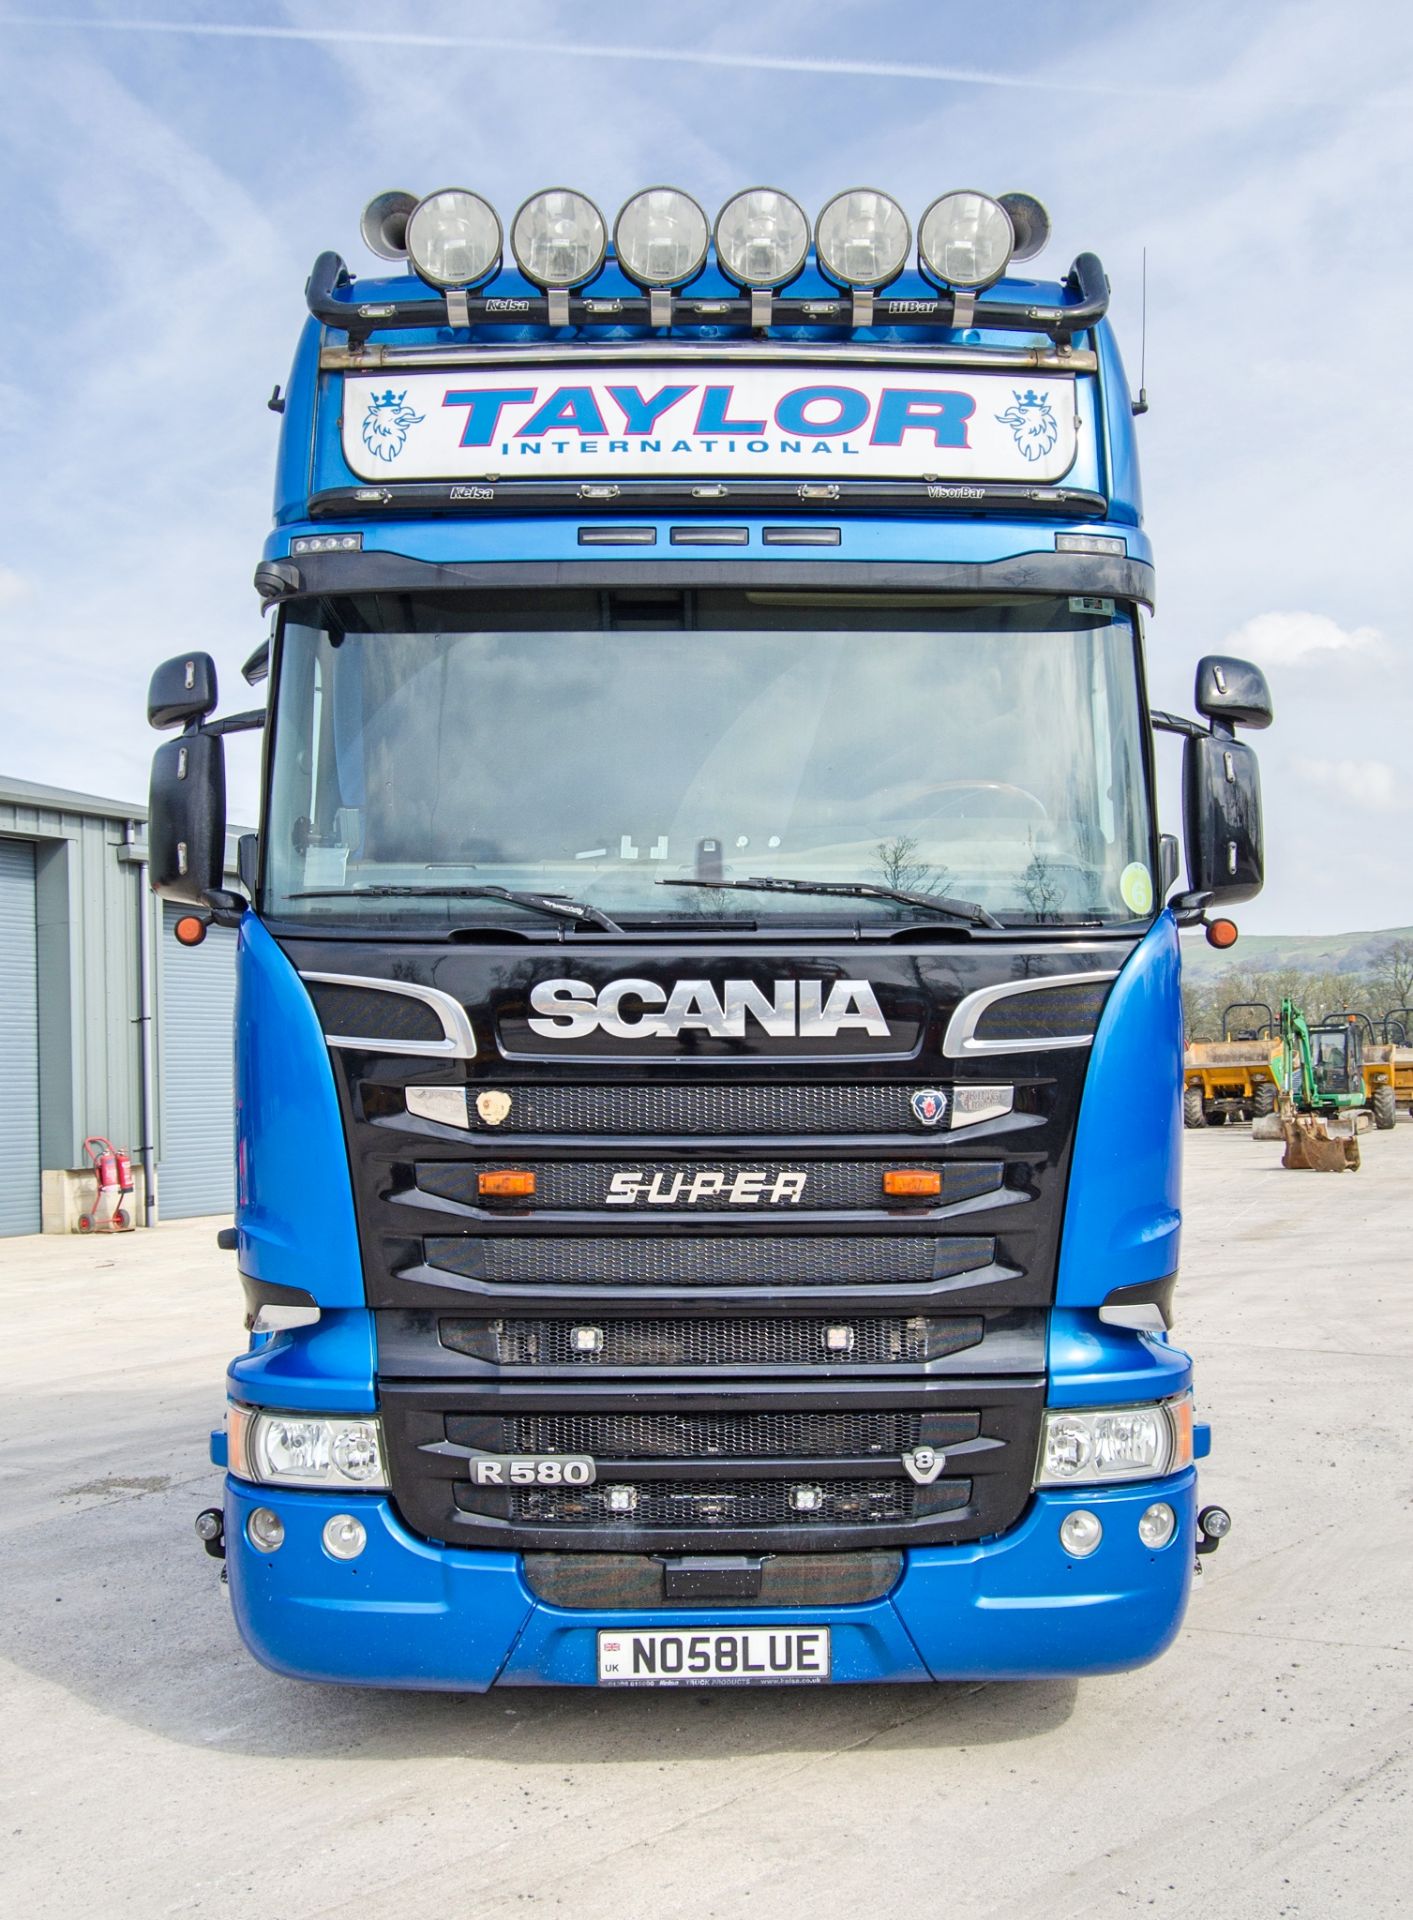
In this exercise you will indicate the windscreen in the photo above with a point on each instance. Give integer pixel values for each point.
(597, 746)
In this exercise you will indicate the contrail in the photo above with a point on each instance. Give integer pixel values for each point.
(582, 50)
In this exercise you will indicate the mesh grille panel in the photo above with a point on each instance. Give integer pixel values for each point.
(708, 1109)
(763, 1186)
(767, 1341)
(757, 1260)
(1049, 1014)
(367, 1014)
(743, 1436)
(739, 1503)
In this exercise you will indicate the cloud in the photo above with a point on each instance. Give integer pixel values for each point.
(1298, 639)
(13, 587)
(1372, 785)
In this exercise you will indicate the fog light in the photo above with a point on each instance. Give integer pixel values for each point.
(1157, 1524)
(1215, 1522)
(344, 1537)
(622, 1499)
(807, 1499)
(265, 1530)
(1080, 1533)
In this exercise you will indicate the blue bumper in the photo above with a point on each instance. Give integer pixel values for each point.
(409, 1614)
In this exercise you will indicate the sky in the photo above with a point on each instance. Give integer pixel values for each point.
(173, 170)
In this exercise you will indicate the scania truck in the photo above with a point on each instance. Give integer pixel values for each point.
(708, 1039)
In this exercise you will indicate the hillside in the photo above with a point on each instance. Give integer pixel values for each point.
(1281, 952)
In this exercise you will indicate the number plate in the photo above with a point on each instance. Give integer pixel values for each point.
(713, 1657)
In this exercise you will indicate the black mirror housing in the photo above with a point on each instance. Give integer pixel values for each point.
(182, 691)
(1232, 693)
(1221, 798)
(186, 828)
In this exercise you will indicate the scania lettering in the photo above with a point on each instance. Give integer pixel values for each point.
(708, 1040)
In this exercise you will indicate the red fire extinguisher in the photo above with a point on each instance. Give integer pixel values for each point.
(112, 1169)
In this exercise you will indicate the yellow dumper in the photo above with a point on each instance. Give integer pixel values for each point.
(1233, 1078)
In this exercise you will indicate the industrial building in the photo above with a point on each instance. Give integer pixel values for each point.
(107, 1026)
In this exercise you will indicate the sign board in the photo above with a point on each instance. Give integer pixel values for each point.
(764, 421)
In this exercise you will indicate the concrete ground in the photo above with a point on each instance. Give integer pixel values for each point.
(148, 1767)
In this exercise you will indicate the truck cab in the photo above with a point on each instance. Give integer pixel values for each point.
(709, 1047)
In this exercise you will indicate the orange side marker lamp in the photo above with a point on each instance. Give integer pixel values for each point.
(912, 1183)
(505, 1183)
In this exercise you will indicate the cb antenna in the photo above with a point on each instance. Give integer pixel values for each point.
(1140, 405)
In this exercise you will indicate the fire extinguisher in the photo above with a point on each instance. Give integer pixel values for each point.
(112, 1169)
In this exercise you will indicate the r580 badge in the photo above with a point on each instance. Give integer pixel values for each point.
(531, 1470)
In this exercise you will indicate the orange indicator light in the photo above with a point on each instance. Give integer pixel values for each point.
(505, 1185)
(911, 1183)
(190, 930)
(1221, 933)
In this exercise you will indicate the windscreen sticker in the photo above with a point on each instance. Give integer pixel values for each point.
(325, 866)
(1136, 887)
(913, 423)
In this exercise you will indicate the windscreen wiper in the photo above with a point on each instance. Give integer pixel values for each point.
(966, 912)
(555, 905)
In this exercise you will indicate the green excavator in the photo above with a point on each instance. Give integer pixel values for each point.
(1320, 1075)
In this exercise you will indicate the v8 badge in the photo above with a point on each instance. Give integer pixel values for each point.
(493, 1106)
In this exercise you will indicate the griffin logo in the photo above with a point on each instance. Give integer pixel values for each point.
(386, 423)
(1033, 423)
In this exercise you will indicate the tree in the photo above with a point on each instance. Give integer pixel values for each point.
(902, 870)
(1391, 975)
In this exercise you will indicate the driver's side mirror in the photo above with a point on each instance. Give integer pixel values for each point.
(186, 828)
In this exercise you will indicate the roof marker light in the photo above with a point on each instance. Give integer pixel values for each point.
(762, 237)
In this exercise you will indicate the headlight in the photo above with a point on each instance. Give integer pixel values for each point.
(558, 238)
(1080, 1446)
(965, 240)
(862, 238)
(660, 237)
(454, 238)
(305, 1449)
(762, 237)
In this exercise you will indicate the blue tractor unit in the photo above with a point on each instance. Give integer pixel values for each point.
(709, 1050)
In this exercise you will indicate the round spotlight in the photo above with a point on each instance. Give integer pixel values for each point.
(1031, 223)
(1157, 1524)
(966, 240)
(265, 1530)
(454, 238)
(1080, 1533)
(762, 237)
(384, 224)
(862, 238)
(558, 238)
(210, 1525)
(344, 1537)
(660, 237)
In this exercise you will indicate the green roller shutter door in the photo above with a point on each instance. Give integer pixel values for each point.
(19, 1042)
(196, 1172)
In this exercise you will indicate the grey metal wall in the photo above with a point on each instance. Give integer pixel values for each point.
(196, 1173)
(19, 1041)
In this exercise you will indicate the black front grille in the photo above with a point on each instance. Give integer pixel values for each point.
(885, 1433)
(764, 1341)
(1049, 1013)
(776, 1186)
(742, 1260)
(696, 1109)
(733, 1504)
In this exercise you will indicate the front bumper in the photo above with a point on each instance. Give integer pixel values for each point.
(410, 1614)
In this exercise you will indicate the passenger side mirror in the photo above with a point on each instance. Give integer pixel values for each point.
(1221, 797)
(186, 828)
(1232, 693)
(182, 691)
